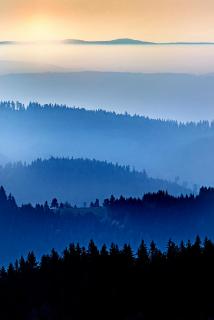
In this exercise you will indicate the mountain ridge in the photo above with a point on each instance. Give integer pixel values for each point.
(79, 180)
(164, 148)
(118, 41)
(130, 41)
(121, 41)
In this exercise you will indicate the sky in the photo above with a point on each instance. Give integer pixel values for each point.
(154, 20)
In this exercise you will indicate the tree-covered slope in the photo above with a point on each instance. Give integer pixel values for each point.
(78, 181)
(157, 216)
(165, 149)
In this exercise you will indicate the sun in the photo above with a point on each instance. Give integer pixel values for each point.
(41, 29)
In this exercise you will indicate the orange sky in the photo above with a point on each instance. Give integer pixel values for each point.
(155, 20)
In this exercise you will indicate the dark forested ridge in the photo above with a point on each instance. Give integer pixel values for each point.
(164, 149)
(157, 216)
(112, 283)
(78, 181)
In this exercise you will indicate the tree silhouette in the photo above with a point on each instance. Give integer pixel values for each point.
(142, 253)
(112, 279)
(54, 204)
(92, 249)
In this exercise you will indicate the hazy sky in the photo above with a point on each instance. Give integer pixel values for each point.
(158, 20)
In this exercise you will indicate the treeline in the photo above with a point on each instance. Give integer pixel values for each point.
(79, 181)
(166, 149)
(161, 202)
(46, 225)
(34, 107)
(112, 283)
(156, 216)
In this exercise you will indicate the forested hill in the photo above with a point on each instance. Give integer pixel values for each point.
(165, 149)
(78, 181)
(157, 216)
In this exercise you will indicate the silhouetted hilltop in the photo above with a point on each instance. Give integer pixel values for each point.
(122, 41)
(78, 181)
(166, 149)
(129, 41)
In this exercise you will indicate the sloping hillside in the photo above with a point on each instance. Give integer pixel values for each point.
(78, 181)
(165, 149)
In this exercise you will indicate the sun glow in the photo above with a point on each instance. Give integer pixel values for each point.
(41, 29)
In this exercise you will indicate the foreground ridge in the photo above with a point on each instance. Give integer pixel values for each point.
(157, 216)
(112, 282)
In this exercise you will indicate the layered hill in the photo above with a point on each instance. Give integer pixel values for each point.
(78, 181)
(155, 216)
(165, 149)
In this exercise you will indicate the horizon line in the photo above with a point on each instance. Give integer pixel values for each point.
(115, 41)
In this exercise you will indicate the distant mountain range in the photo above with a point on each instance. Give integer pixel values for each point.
(124, 41)
(121, 41)
(128, 41)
